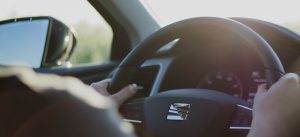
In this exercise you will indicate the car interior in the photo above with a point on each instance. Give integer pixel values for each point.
(199, 75)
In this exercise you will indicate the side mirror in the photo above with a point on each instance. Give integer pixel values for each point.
(38, 42)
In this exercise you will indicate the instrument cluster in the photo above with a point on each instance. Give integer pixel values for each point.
(242, 85)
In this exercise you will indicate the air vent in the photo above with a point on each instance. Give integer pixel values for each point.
(145, 78)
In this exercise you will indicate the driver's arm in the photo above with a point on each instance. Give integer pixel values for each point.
(37, 105)
(276, 111)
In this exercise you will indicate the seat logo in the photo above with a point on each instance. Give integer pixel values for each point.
(178, 111)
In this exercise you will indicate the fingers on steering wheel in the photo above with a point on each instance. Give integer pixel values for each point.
(287, 81)
(101, 86)
(290, 78)
(125, 93)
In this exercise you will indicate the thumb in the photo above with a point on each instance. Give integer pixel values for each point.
(261, 89)
(125, 93)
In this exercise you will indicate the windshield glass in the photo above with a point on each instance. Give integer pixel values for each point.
(282, 12)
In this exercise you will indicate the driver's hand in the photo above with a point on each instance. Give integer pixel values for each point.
(121, 96)
(276, 112)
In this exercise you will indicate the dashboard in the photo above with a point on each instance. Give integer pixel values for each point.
(233, 70)
(223, 65)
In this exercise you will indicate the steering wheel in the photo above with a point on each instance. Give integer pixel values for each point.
(192, 112)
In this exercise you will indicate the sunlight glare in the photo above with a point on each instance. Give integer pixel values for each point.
(277, 11)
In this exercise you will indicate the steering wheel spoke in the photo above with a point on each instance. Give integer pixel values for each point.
(242, 119)
(241, 122)
(132, 112)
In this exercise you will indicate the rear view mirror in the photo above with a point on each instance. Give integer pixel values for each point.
(38, 42)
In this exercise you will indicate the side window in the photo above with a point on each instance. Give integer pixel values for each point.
(94, 35)
(93, 43)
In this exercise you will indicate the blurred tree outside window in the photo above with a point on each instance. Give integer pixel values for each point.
(93, 43)
(94, 35)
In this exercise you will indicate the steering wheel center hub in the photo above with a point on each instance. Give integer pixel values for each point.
(189, 112)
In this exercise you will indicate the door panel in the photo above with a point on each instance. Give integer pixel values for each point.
(86, 73)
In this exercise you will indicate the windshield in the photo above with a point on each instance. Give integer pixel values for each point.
(282, 12)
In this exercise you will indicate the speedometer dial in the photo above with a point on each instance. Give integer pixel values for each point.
(223, 80)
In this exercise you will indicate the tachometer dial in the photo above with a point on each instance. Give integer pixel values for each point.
(225, 81)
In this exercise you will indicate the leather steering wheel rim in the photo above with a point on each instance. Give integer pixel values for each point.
(130, 65)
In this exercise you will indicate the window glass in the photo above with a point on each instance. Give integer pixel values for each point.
(17, 37)
(94, 35)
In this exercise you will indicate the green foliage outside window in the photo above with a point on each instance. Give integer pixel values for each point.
(93, 43)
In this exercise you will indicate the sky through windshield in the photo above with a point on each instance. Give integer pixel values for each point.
(283, 12)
